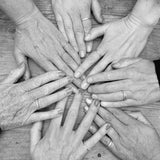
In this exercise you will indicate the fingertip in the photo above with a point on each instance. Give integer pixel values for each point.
(84, 85)
(89, 101)
(77, 74)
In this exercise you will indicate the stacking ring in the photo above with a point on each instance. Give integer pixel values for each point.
(37, 104)
(124, 95)
(85, 19)
(110, 144)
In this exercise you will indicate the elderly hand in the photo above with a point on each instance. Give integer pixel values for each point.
(62, 142)
(37, 38)
(122, 39)
(133, 82)
(19, 101)
(128, 138)
(74, 21)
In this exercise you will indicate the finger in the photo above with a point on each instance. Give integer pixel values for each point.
(94, 139)
(48, 100)
(86, 122)
(125, 62)
(20, 58)
(89, 61)
(107, 76)
(108, 117)
(87, 24)
(41, 116)
(96, 32)
(60, 24)
(79, 34)
(49, 88)
(104, 140)
(111, 87)
(41, 80)
(35, 135)
(110, 97)
(69, 31)
(72, 115)
(125, 103)
(15, 75)
(96, 9)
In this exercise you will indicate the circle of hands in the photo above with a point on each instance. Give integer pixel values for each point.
(112, 75)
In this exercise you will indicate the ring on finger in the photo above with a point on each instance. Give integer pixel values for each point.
(110, 144)
(37, 103)
(85, 19)
(124, 95)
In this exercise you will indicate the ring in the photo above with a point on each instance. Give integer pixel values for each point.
(85, 19)
(124, 95)
(37, 104)
(110, 144)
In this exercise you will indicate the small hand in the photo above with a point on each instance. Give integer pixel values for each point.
(132, 82)
(19, 101)
(74, 21)
(37, 38)
(62, 142)
(128, 138)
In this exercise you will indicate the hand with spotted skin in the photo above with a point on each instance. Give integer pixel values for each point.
(132, 82)
(128, 138)
(74, 21)
(123, 38)
(19, 101)
(61, 141)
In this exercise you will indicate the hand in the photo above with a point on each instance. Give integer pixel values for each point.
(128, 138)
(133, 82)
(122, 39)
(38, 39)
(62, 142)
(74, 21)
(20, 101)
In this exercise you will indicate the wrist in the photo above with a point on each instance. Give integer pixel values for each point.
(148, 12)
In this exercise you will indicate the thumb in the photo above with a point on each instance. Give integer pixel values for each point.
(15, 75)
(96, 32)
(124, 62)
(96, 9)
(35, 135)
(20, 58)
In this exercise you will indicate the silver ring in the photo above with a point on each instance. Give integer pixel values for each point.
(85, 19)
(124, 95)
(37, 104)
(110, 144)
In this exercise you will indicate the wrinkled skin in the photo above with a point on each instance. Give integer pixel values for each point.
(74, 21)
(132, 79)
(37, 38)
(128, 138)
(62, 142)
(19, 101)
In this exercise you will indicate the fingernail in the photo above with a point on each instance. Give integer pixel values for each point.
(89, 48)
(89, 80)
(87, 37)
(108, 126)
(84, 85)
(61, 74)
(88, 101)
(82, 54)
(96, 103)
(92, 128)
(70, 79)
(86, 108)
(94, 96)
(77, 74)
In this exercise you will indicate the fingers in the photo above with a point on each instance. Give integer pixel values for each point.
(95, 138)
(86, 122)
(35, 135)
(72, 115)
(107, 76)
(96, 32)
(60, 24)
(96, 9)
(41, 116)
(49, 88)
(41, 80)
(89, 61)
(15, 75)
(79, 34)
(48, 100)
(20, 58)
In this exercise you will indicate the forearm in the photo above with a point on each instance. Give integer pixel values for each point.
(148, 11)
(16, 9)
